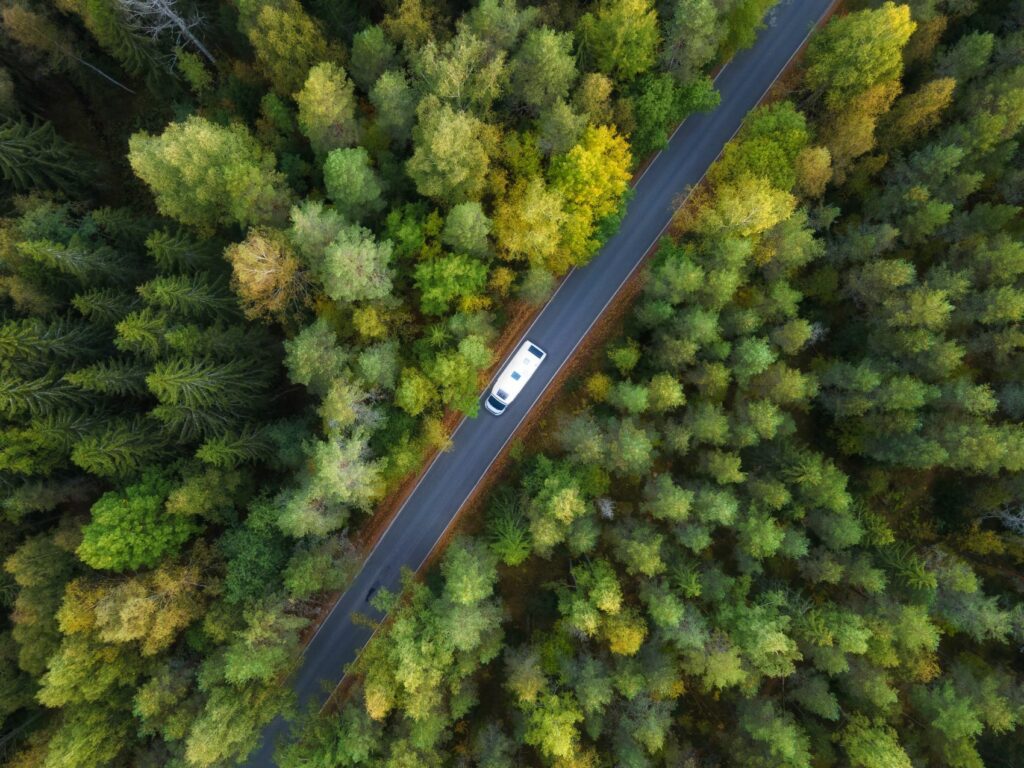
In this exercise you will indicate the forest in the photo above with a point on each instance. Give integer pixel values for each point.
(256, 259)
(254, 255)
(777, 522)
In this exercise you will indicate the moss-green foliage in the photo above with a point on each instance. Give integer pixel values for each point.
(250, 255)
(207, 175)
(130, 531)
(779, 526)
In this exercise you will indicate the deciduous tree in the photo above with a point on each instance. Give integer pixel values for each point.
(352, 183)
(267, 275)
(286, 39)
(452, 153)
(327, 109)
(129, 529)
(207, 175)
(621, 37)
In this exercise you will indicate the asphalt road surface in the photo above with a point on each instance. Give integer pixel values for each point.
(559, 329)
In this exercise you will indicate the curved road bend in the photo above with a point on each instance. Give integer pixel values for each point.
(559, 329)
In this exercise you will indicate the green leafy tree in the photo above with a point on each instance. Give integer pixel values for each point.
(129, 529)
(231, 717)
(435, 642)
(452, 151)
(742, 21)
(466, 229)
(773, 735)
(448, 278)
(355, 266)
(456, 374)
(327, 109)
(559, 128)
(352, 183)
(621, 37)
(557, 501)
(415, 393)
(265, 648)
(469, 571)
(287, 41)
(656, 111)
(394, 102)
(692, 37)
(592, 178)
(870, 745)
(543, 69)
(500, 23)
(527, 223)
(90, 734)
(967, 58)
(551, 725)
(462, 71)
(373, 54)
(667, 501)
(856, 52)
(208, 175)
(914, 114)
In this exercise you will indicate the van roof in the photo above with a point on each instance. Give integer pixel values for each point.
(519, 369)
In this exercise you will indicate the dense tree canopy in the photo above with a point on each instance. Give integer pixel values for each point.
(254, 255)
(777, 523)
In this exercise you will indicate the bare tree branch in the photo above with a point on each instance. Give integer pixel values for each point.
(1011, 516)
(156, 17)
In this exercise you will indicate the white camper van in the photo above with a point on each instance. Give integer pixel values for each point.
(513, 378)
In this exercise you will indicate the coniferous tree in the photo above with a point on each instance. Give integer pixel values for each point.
(33, 156)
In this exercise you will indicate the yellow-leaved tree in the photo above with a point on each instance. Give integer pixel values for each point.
(592, 177)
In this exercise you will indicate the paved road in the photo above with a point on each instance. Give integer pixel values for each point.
(559, 329)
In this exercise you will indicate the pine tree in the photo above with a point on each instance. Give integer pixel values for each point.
(113, 30)
(233, 449)
(120, 449)
(105, 305)
(142, 332)
(32, 155)
(42, 396)
(112, 376)
(87, 263)
(207, 385)
(191, 297)
(33, 343)
(178, 251)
